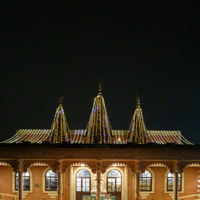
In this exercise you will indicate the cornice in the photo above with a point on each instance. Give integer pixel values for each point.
(150, 153)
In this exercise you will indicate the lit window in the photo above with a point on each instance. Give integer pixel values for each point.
(114, 181)
(51, 181)
(146, 181)
(83, 181)
(170, 182)
(26, 181)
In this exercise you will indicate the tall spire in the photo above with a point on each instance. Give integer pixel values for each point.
(60, 131)
(99, 129)
(137, 131)
(138, 103)
(99, 89)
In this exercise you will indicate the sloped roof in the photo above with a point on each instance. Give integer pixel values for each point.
(77, 136)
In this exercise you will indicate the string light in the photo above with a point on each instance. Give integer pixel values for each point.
(137, 130)
(59, 129)
(99, 129)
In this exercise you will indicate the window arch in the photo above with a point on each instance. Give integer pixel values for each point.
(114, 181)
(83, 181)
(170, 182)
(51, 181)
(26, 181)
(146, 181)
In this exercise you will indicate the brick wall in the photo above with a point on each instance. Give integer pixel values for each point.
(190, 184)
(6, 180)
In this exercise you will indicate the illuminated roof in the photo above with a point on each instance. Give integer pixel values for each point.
(137, 131)
(59, 130)
(99, 128)
(77, 136)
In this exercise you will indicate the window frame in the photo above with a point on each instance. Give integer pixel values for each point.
(145, 180)
(115, 178)
(81, 180)
(24, 177)
(179, 182)
(50, 178)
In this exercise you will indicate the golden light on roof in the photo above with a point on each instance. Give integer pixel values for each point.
(137, 130)
(99, 129)
(60, 131)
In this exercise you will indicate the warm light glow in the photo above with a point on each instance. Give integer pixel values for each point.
(99, 129)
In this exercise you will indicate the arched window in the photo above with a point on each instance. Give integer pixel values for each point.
(26, 181)
(51, 181)
(146, 181)
(114, 181)
(83, 181)
(170, 182)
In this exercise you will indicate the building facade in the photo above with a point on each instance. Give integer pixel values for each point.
(98, 162)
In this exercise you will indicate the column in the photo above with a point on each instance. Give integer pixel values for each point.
(71, 184)
(126, 183)
(60, 185)
(137, 184)
(176, 185)
(20, 185)
(20, 172)
(98, 185)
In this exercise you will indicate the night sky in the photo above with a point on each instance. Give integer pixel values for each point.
(149, 49)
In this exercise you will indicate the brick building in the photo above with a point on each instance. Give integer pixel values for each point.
(133, 164)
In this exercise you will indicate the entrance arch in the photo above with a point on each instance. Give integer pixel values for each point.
(114, 183)
(83, 183)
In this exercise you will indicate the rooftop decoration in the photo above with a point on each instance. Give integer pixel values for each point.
(137, 130)
(60, 131)
(99, 129)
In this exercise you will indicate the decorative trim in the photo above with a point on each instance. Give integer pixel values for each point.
(4, 164)
(38, 164)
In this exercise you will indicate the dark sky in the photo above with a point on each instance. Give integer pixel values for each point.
(148, 48)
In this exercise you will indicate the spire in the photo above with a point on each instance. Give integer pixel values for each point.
(99, 129)
(60, 101)
(137, 131)
(59, 130)
(99, 89)
(138, 103)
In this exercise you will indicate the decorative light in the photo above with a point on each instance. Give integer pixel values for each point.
(99, 125)
(59, 129)
(137, 130)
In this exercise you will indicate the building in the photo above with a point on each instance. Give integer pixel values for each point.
(132, 164)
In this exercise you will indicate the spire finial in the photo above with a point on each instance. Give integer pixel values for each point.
(60, 101)
(138, 103)
(99, 89)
